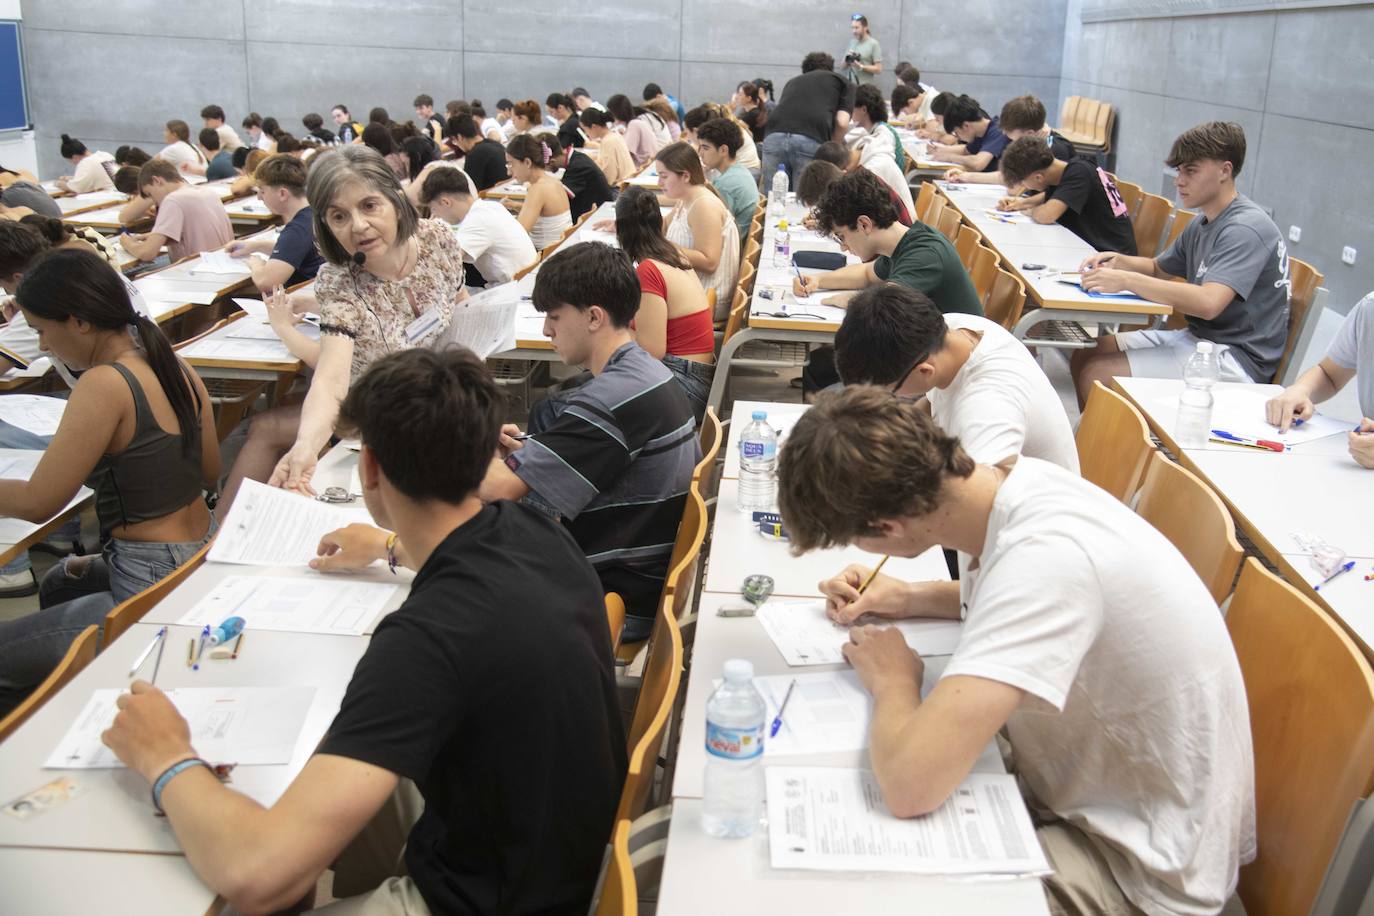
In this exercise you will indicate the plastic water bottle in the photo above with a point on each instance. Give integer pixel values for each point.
(732, 796)
(758, 463)
(777, 197)
(782, 245)
(1201, 372)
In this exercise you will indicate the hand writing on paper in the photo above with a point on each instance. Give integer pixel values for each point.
(883, 660)
(1362, 444)
(148, 735)
(885, 596)
(294, 470)
(506, 441)
(1100, 259)
(1106, 280)
(350, 548)
(1290, 405)
(805, 286)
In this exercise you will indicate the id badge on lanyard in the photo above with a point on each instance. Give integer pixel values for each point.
(423, 327)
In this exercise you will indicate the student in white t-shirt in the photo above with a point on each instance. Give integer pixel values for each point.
(983, 385)
(492, 239)
(1352, 348)
(179, 150)
(1086, 635)
(89, 170)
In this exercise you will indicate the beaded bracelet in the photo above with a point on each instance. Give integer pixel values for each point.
(391, 551)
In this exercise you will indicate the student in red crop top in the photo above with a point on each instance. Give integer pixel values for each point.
(674, 318)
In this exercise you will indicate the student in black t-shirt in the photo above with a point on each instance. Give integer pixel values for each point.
(584, 180)
(430, 123)
(980, 138)
(1023, 116)
(564, 110)
(814, 109)
(293, 258)
(314, 125)
(1077, 194)
(484, 160)
(520, 765)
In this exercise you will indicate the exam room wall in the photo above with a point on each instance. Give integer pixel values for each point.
(114, 72)
(1284, 74)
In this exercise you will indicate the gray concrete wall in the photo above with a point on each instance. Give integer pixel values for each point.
(1291, 77)
(288, 57)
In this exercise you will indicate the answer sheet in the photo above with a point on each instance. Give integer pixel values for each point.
(221, 263)
(319, 604)
(484, 323)
(244, 725)
(828, 711)
(271, 527)
(35, 413)
(834, 819)
(804, 634)
(231, 348)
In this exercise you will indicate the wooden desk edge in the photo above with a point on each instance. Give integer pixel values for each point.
(57, 521)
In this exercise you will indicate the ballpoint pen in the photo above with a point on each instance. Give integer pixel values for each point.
(777, 720)
(1344, 568)
(157, 640)
(1232, 439)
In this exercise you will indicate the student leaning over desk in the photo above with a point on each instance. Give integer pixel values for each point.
(138, 429)
(517, 767)
(1086, 637)
(391, 283)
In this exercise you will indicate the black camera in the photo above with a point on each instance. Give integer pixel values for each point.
(852, 57)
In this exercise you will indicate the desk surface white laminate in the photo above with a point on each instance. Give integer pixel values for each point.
(702, 874)
(738, 550)
(111, 883)
(113, 811)
(1349, 595)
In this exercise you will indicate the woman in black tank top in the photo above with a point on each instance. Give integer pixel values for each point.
(149, 482)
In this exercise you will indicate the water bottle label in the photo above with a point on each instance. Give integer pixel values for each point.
(758, 449)
(734, 743)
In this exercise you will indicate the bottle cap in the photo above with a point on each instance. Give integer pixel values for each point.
(1204, 346)
(782, 224)
(760, 415)
(739, 669)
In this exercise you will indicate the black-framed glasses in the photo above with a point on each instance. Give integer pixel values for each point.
(897, 386)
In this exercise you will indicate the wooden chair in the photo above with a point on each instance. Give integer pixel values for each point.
(983, 273)
(615, 617)
(522, 272)
(691, 534)
(933, 212)
(924, 198)
(1303, 281)
(1006, 300)
(1132, 194)
(1148, 223)
(1311, 697)
(738, 307)
(1113, 443)
(79, 655)
(657, 694)
(966, 244)
(710, 447)
(949, 223)
(1186, 511)
(752, 251)
(618, 895)
(1181, 220)
(1067, 113)
(747, 272)
(549, 249)
(1079, 129)
(130, 612)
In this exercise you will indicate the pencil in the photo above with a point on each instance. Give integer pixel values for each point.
(873, 575)
(190, 651)
(238, 642)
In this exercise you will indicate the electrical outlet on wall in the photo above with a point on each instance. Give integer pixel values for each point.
(1348, 255)
(1295, 233)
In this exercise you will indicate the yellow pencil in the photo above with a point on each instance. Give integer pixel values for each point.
(873, 575)
(190, 651)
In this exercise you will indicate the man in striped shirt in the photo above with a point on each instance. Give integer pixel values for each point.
(615, 465)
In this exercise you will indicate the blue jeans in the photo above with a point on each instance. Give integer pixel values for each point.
(695, 379)
(792, 150)
(124, 569)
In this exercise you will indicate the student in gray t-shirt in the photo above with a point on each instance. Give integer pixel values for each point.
(1352, 348)
(1234, 260)
(28, 194)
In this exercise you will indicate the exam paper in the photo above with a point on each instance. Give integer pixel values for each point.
(19, 464)
(35, 413)
(336, 607)
(170, 290)
(38, 367)
(220, 263)
(243, 725)
(1240, 411)
(834, 819)
(256, 309)
(804, 635)
(271, 527)
(828, 711)
(484, 323)
(270, 350)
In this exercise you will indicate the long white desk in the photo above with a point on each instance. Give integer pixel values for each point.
(112, 883)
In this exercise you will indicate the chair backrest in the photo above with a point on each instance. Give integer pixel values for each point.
(966, 244)
(130, 612)
(1186, 511)
(1148, 224)
(746, 277)
(1131, 193)
(1007, 299)
(691, 534)
(924, 197)
(752, 250)
(1303, 281)
(949, 223)
(710, 444)
(1101, 130)
(1087, 117)
(1181, 220)
(1346, 889)
(522, 272)
(619, 895)
(615, 617)
(937, 207)
(983, 273)
(549, 249)
(1113, 443)
(79, 655)
(1068, 112)
(657, 694)
(1311, 696)
(738, 306)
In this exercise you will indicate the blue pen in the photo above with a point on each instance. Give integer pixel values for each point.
(777, 720)
(200, 650)
(1345, 568)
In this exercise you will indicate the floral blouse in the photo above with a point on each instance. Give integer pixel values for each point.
(375, 312)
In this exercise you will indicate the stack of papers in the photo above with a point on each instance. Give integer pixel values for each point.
(484, 323)
(805, 636)
(271, 527)
(35, 413)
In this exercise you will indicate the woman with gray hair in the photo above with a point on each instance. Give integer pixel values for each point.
(390, 282)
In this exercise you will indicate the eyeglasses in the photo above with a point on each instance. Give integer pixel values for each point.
(901, 382)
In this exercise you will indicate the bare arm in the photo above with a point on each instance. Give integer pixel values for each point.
(501, 483)
(318, 413)
(1298, 401)
(651, 324)
(707, 224)
(145, 247)
(135, 211)
(270, 273)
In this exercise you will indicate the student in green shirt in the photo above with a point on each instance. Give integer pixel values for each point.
(718, 142)
(857, 210)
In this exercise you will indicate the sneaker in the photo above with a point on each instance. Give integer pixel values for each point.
(18, 585)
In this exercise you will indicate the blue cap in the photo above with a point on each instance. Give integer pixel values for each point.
(760, 415)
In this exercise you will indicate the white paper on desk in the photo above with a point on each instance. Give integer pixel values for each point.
(38, 367)
(1240, 411)
(318, 604)
(271, 527)
(266, 350)
(484, 323)
(19, 464)
(834, 819)
(245, 725)
(35, 413)
(168, 290)
(804, 635)
(219, 263)
(829, 711)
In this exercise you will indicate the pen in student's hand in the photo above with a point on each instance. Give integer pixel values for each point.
(143, 656)
(1345, 568)
(777, 720)
(873, 575)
